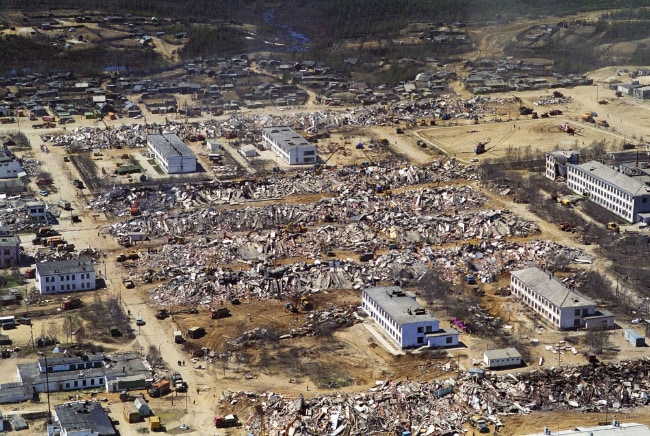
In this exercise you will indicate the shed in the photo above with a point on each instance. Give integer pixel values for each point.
(502, 358)
(18, 423)
(143, 408)
(248, 150)
(633, 337)
(154, 423)
(131, 413)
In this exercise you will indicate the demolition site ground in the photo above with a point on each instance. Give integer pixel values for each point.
(337, 350)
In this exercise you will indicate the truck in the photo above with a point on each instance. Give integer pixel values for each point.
(48, 118)
(30, 273)
(70, 303)
(226, 421)
(196, 332)
(160, 389)
(65, 205)
(44, 181)
(220, 312)
(178, 337)
(46, 231)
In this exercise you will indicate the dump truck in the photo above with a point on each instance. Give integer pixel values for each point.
(160, 389)
(70, 303)
(220, 312)
(226, 421)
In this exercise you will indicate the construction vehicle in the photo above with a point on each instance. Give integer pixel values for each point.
(128, 283)
(44, 232)
(567, 226)
(219, 312)
(132, 255)
(44, 181)
(162, 313)
(160, 389)
(135, 209)
(321, 167)
(603, 123)
(306, 304)
(292, 227)
(120, 257)
(173, 239)
(569, 129)
(613, 226)
(70, 303)
(226, 421)
(78, 184)
(588, 117)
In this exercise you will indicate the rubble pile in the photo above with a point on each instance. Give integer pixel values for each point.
(588, 388)
(192, 280)
(343, 182)
(89, 138)
(440, 407)
(315, 322)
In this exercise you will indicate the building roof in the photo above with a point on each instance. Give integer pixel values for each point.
(622, 429)
(9, 241)
(65, 267)
(563, 156)
(399, 304)
(67, 360)
(615, 178)
(84, 415)
(287, 139)
(551, 288)
(503, 353)
(169, 145)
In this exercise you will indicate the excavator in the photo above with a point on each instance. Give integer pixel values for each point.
(481, 146)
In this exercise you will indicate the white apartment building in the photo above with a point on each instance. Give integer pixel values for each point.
(556, 162)
(289, 145)
(173, 156)
(625, 196)
(563, 307)
(404, 320)
(65, 276)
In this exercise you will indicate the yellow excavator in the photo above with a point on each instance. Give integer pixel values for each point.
(321, 167)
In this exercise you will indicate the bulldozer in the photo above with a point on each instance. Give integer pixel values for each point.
(162, 313)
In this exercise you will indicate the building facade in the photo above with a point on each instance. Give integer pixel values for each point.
(36, 211)
(556, 163)
(65, 276)
(173, 156)
(623, 195)
(10, 168)
(289, 145)
(404, 320)
(563, 307)
(502, 358)
(9, 249)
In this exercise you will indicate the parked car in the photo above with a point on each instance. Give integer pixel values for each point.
(43, 192)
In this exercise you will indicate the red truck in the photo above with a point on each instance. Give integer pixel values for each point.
(226, 421)
(30, 273)
(70, 303)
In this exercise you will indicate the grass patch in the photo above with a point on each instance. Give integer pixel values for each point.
(158, 170)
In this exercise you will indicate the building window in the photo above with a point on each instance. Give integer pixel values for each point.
(84, 383)
(76, 383)
(420, 340)
(449, 340)
(420, 329)
(577, 312)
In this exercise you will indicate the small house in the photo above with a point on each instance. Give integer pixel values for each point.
(633, 337)
(502, 358)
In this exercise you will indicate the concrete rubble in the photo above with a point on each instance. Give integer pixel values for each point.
(189, 282)
(445, 407)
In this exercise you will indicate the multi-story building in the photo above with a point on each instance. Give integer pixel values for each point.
(65, 276)
(563, 307)
(9, 248)
(289, 145)
(173, 156)
(556, 163)
(10, 168)
(623, 195)
(404, 320)
(36, 211)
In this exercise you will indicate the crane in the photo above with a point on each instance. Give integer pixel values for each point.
(321, 167)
